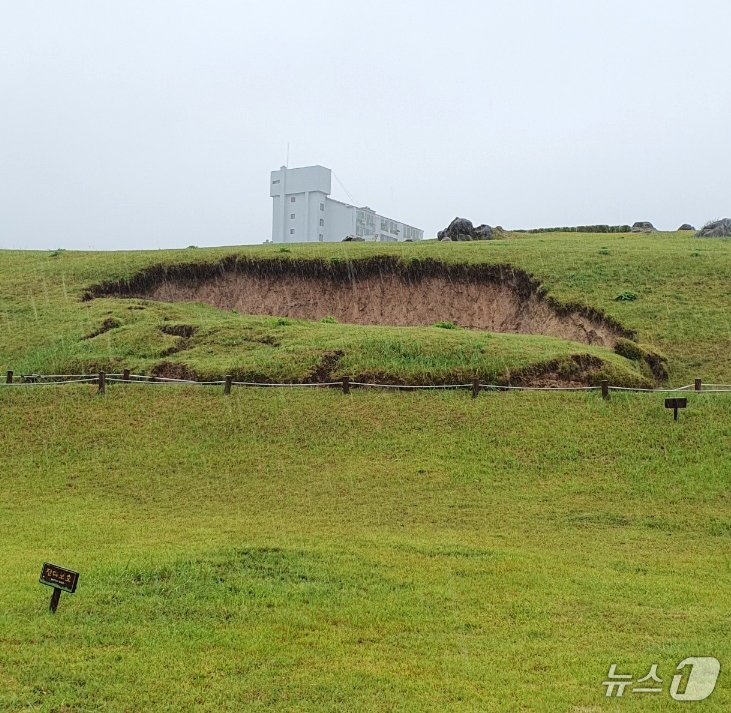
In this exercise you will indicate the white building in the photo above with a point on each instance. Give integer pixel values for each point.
(304, 212)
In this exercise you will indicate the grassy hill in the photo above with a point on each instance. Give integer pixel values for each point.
(671, 290)
(306, 550)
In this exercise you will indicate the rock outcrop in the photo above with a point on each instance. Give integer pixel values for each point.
(716, 229)
(462, 229)
(643, 226)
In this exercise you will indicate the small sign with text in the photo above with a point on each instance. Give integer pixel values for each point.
(61, 579)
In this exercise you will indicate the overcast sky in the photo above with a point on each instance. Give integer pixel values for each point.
(155, 123)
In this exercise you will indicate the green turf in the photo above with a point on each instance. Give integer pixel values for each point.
(309, 551)
(682, 307)
(287, 350)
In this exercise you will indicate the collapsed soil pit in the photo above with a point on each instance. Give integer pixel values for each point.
(374, 291)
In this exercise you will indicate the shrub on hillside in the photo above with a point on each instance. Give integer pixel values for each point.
(581, 229)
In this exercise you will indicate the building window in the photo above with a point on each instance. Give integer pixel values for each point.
(321, 237)
(322, 222)
(322, 206)
(291, 215)
(275, 181)
(291, 231)
(292, 199)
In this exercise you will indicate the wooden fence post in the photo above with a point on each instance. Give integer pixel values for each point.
(102, 382)
(9, 377)
(605, 389)
(698, 385)
(346, 384)
(227, 384)
(475, 388)
(125, 375)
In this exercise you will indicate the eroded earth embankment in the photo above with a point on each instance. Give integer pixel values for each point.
(383, 290)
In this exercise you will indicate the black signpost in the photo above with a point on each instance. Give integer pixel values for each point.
(61, 579)
(675, 404)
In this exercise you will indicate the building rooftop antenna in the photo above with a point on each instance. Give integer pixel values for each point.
(348, 193)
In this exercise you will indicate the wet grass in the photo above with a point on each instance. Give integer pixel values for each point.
(304, 550)
(204, 343)
(300, 550)
(681, 306)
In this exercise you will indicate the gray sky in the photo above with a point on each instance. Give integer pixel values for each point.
(155, 123)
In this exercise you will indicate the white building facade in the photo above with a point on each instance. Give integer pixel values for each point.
(303, 212)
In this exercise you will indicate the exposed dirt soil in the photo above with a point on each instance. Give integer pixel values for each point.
(179, 330)
(323, 371)
(576, 370)
(106, 326)
(496, 298)
(390, 300)
(172, 370)
(184, 331)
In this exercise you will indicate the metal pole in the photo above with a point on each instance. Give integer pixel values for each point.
(54, 599)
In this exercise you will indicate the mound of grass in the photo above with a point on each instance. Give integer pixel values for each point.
(204, 343)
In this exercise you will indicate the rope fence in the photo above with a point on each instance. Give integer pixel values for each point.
(125, 377)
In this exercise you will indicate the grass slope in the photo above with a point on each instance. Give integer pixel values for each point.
(154, 339)
(682, 306)
(300, 550)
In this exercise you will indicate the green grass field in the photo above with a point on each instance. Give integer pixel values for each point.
(299, 549)
(682, 308)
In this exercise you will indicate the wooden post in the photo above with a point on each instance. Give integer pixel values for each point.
(9, 377)
(102, 382)
(605, 389)
(227, 384)
(125, 375)
(346, 384)
(475, 388)
(54, 599)
(698, 385)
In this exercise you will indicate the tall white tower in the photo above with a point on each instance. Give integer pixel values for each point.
(300, 196)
